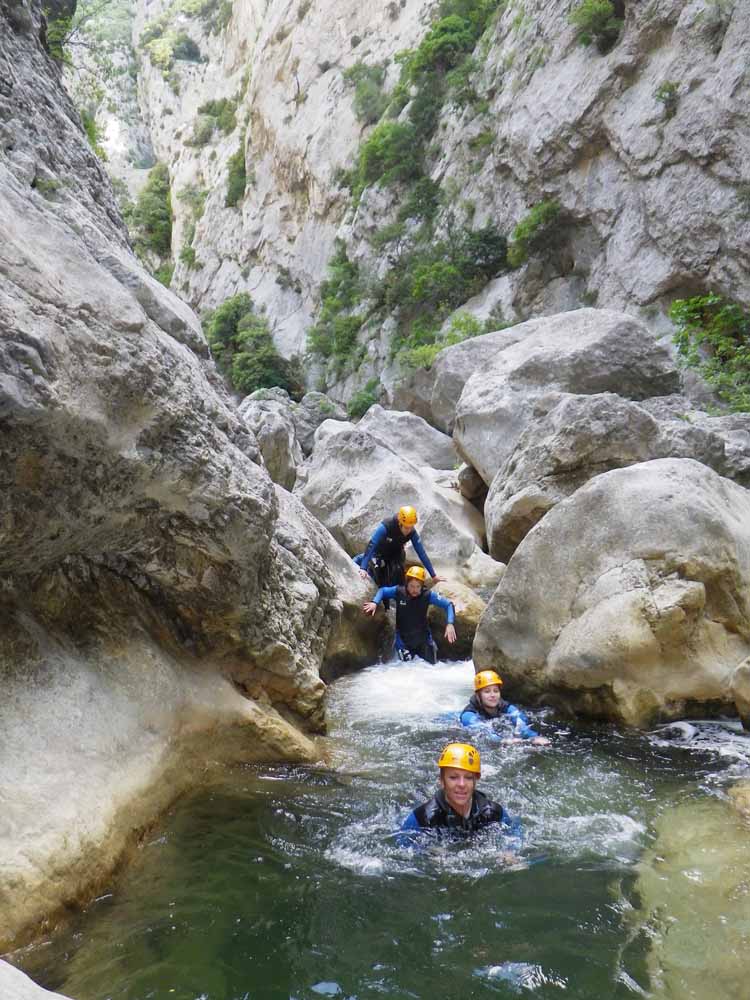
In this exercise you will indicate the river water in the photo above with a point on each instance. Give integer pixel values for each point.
(289, 883)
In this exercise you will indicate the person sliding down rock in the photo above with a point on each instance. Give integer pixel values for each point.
(384, 558)
(413, 636)
(457, 807)
(486, 705)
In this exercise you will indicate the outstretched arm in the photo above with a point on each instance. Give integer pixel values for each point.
(450, 613)
(521, 726)
(419, 549)
(372, 606)
(474, 719)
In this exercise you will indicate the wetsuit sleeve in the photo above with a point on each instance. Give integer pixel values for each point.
(418, 548)
(408, 835)
(390, 592)
(521, 725)
(473, 719)
(445, 604)
(377, 538)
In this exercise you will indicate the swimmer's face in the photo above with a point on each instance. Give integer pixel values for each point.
(490, 696)
(458, 786)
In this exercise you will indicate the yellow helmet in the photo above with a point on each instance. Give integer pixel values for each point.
(406, 517)
(486, 678)
(417, 573)
(460, 755)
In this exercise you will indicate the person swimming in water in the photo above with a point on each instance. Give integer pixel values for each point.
(486, 706)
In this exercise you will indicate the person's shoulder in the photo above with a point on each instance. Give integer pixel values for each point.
(490, 810)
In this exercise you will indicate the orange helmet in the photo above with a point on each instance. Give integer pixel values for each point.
(486, 678)
(461, 755)
(416, 573)
(406, 517)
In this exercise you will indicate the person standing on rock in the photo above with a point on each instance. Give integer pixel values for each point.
(384, 558)
(457, 807)
(486, 706)
(413, 636)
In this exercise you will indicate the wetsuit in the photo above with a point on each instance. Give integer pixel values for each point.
(384, 557)
(475, 714)
(413, 637)
(436, 815)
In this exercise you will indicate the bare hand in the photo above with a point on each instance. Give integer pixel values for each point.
(370, 608)
(364, 574)
(540, 741)
(437, 579)
(450, 633)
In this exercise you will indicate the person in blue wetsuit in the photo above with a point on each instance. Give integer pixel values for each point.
(486, 705)
(413, 636)
(384, 558)
(457, 807)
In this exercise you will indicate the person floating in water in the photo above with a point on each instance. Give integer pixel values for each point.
(457, 806)
(486, 705)
(384, 558)
(413, 636)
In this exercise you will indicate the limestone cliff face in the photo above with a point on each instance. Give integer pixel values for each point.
(645, 149)
(161, 609)
(283, 61)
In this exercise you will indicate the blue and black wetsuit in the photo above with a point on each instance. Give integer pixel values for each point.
(413, 636)
(384, 557)
(475, 714)
(437, 816)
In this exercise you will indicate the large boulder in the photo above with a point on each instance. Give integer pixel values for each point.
(630, 600)
(433, 392)
(309, 414)
(354, 641)
(578, 438)
(159, 614)
(583, 352)
(411, 437)
(15, 985)
(352, 482)
(691, 903)
(269, 415)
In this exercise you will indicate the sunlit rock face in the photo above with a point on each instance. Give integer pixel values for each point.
(629, 600)
(162, 609)
(692, 902)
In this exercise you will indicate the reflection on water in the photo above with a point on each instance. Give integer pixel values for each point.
(289, 882)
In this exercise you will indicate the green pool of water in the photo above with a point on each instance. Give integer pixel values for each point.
(288, 883)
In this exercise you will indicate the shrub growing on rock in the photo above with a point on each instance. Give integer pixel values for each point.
(236, 177)
(713, 337)
(597, 21)
(362, 400)
(369, 100)
(244, 350)
(152, 215)
(535, 231)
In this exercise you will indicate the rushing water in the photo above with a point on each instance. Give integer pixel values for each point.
(289, 883)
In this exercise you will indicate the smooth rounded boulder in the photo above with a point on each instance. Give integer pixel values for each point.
(583, 352)
(631, 599)
(411, 437)
(578, 438)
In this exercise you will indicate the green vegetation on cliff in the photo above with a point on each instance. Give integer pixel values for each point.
(713, 337)
(434, 262)
(151, 218)
(597, 22)
(243, 347)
